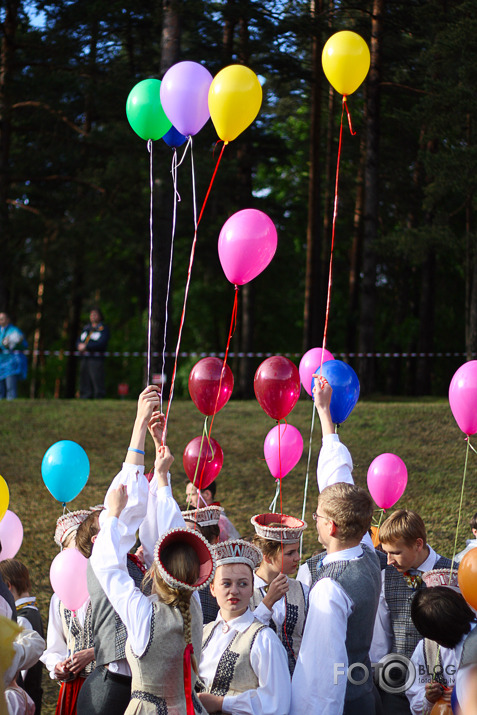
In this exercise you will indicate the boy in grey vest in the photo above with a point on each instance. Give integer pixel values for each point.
(333, 671)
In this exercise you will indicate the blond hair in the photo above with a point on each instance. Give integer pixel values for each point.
(403, 524)
(350, 507)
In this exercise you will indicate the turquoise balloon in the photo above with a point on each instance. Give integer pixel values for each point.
(144, 110)
(65, 470)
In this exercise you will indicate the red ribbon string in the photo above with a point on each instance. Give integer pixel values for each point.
(188, 678)
(333, 229)
(191, 262)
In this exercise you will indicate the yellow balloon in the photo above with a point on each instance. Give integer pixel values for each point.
(4, 497)
(235, 98)
(345, 61)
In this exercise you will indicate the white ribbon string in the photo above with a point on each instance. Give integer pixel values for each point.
(151, 234)
(273, 505)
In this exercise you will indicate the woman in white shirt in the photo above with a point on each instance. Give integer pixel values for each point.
(243, 665)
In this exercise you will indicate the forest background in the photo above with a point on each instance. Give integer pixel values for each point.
(75, 193)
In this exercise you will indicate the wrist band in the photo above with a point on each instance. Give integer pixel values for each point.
(138, 451)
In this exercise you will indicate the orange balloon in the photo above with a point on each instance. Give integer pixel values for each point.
(467, 577)
(375, 536)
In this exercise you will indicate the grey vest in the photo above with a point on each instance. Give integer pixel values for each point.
(361, 580)
(291, 632)
(399, 597)
(469, 650)
(109, 632)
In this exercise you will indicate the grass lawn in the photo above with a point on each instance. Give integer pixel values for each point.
(424, 434)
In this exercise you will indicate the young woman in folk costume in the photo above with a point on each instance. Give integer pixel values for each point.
(69, 654)
(165, 628)
(280, 601)
(243, 666)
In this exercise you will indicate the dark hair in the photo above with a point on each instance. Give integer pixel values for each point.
(212, 487)
(86, 530)
(210, 532)
(442, 615)
(15, 574)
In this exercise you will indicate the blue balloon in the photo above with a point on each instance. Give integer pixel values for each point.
(345, 384)
(174, 138)
(65, 470)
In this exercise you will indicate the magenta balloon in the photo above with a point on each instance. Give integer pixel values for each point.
(185, 96)
(387, 479)
(11, 535)
(282, 449)
(463, 397)
(311, 363)
(247, 244)
(68, 578)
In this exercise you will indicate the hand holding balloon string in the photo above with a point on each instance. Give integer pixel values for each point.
(164, 460)
(322, 392)
(276, 590)
(148, 402)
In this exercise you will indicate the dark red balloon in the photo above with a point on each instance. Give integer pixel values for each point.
(210, 458)
(277, 386)
(204, 383)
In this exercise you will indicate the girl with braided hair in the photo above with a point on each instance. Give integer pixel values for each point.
(165, 628)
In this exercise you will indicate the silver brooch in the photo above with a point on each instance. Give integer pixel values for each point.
(225, 628)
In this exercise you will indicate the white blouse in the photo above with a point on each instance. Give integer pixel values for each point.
(56, 648)
(268, 660)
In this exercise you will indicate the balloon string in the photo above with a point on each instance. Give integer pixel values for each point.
(345, 105)
(149, 310)
(189, 273)
(177, 198)
(204, 432)
(233, 326)
(305, 491)
(273, 505)
(459, 513)
(333, 228)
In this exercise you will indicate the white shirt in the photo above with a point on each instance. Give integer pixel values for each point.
(319, 681)
(269, 663)
(162, 513)
(416, 693)
(56, 648)
(382, 641)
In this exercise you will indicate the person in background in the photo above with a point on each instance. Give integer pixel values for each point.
(13, 364)
(471, 543)
(16, 576)
(94, 339)
(206, 497)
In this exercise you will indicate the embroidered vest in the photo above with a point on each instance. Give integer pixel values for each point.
(399, 597)
(314, 564)
(109, 631)
(433, 662)
(361, 580)
(158, 675)
(234, 672)
(78, 637)
(291, 632)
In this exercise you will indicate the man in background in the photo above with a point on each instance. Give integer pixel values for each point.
(92, 343)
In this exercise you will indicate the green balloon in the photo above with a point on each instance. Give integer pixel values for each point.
(144, 110)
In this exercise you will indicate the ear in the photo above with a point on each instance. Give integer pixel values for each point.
(332, 528)
(93, 538)
(419, 544)
(212, 589)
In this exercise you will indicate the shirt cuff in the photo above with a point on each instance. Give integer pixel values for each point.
(328, 438)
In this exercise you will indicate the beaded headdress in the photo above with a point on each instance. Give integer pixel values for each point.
(205, 516)
(68, 523)
(201, 547)
(237, 551)
(289, 528)
(441, 577)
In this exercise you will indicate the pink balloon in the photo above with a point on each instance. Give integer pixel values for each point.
(68, 578)
(247, 244)
(387, 479)
(11, 535)
(282, 449)
(310, 363)
(185, 96)
(463, 397)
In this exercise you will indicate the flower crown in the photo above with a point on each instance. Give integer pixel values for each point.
(205, 516)
(201, 547)
(67, 523)
(237, 551)
(290, 529)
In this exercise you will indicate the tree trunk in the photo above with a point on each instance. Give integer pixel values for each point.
(313, 307)
(366, 368)
(355, 254)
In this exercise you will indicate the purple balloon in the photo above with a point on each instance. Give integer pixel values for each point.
(463, 397)
(310, 364)
(185, 96)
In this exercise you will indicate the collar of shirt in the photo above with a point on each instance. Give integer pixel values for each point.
(31, 600)
(238, 624)
(345, 555)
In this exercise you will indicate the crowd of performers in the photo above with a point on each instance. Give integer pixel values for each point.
(194, 621)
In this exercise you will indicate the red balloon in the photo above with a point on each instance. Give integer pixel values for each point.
(204, 383)
(210, 458)
(277, 386)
